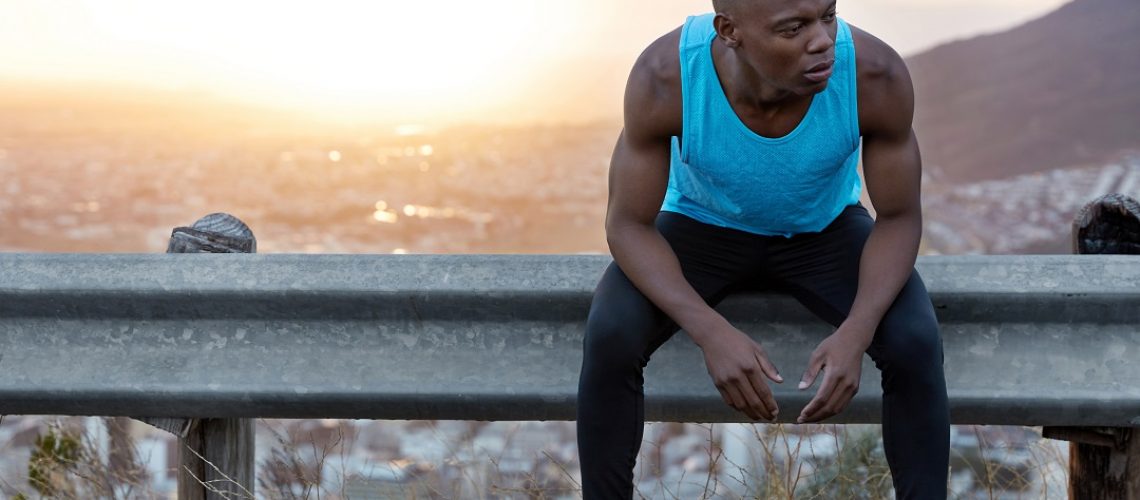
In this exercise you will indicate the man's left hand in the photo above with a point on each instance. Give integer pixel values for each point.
(840, 358)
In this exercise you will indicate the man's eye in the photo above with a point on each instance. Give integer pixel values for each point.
(829, 17)
(793, 30)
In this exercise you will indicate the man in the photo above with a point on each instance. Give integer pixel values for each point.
(737, 167)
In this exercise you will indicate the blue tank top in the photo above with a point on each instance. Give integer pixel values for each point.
(723, 173)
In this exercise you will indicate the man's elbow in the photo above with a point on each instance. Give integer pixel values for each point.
(616, 233)
(620, 229)
(909, 216)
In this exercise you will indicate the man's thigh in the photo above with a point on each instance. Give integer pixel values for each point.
(712, 258)
(821, 270)
(714, 261)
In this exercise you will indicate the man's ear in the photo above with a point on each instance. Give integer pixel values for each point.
(726, 30)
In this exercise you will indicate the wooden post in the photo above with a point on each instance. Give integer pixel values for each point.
(216, 460)
(216, 455)
(1104, 463)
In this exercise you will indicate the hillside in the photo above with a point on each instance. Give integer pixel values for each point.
(1058, 91)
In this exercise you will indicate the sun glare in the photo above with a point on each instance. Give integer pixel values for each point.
(340, 55)
(426, 62)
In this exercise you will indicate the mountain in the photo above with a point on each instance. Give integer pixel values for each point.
(1059, 91)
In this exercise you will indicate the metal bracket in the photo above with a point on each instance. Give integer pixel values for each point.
(178, 426)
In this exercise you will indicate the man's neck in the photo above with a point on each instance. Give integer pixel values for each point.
(746, 87)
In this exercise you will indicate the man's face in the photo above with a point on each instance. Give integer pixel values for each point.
(791, 43)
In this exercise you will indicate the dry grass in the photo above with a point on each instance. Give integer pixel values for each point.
(66, 464)
(778, 462)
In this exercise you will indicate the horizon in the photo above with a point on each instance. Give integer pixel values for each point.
(553, 64)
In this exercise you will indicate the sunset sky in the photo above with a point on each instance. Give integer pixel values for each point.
(414, 61)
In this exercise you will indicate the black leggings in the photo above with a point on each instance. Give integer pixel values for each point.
(821, 271)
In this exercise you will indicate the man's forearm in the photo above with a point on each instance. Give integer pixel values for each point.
(886, 265)
(646, 258)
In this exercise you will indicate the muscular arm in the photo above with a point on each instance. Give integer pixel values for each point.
(639, 175)
(892, 169)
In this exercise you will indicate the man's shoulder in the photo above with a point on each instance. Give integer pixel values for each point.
(653, 93)
(886, 94)
(660, 63)
(876, 62)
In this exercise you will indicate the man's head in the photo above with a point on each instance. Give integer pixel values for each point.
(790, 44)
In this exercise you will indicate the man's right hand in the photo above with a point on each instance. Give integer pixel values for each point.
(738, 367)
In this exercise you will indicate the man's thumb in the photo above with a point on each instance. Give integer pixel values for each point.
(769, 369)
(809, 376)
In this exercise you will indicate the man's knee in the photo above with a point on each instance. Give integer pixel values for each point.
(612, 341)
(911, 344)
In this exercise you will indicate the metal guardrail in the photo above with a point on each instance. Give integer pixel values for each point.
(1029, 340)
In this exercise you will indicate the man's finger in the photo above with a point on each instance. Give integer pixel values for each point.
(738, 401)
(819, 402)
(842, 399)
(813, 369)
(769, 369)
(756, 408)
(770, 402)
(765, 404)
(727, 398)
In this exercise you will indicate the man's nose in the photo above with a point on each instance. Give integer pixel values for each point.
(820, 40)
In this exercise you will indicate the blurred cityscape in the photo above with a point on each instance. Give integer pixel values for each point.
(70, 185)
(467, 190)
(1025, 214)
(91, 182)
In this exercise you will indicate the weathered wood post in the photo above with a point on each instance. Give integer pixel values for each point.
(216, 454)
(1104, 463)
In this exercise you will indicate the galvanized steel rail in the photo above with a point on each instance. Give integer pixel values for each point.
(1029, 340)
